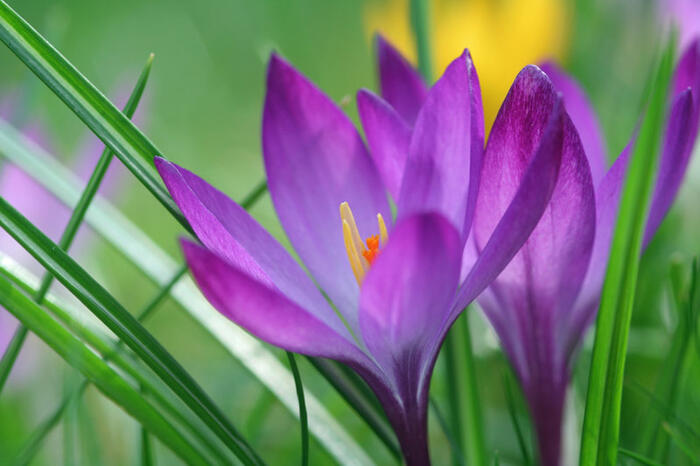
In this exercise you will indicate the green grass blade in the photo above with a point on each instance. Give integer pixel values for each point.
(147, 256)
(118, 133)
(94, 336)
(682, 445)
(651, 442)
(11, 352)
(302, 409)
(600, 435)
(74, 222)
(513, 412)
(125, 326)
(641, 459)
(442, 421)
(31, 448)
(358, 400)
(92, 367)
(465, 405)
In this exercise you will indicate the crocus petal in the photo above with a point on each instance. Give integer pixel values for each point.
(521, 164)
(445, 156)
(399, 82)
(315, 160)
(408, 290)
(687, 72)
(607, 203)
(536, 291)
(261, 309)
(230, 232)
(388, 137)
(676, 150)
(581, 112)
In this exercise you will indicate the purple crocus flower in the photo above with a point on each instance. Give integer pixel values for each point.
(545, 299)
(394, 296)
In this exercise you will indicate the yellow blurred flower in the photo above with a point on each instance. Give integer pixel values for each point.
(502, 35)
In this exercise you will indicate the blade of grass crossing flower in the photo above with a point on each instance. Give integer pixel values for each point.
(73, 321)
(600, 435)
(90, 365)
(118, 133)
(302, 409)
(74, 222)
(126, 327)
(420, 23)
(148, 257)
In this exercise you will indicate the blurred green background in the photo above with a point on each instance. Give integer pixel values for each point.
(204, 102)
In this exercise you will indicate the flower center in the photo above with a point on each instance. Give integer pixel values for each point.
(360, 256)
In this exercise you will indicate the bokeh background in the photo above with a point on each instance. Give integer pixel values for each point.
(203, 110)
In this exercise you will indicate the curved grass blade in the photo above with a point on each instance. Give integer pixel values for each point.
(302, 409)
(148, 257)
(75, 221)
(94, 335)
(118, 133)
(92, 367)
(126, 327)
(601, 424)
(641, 459)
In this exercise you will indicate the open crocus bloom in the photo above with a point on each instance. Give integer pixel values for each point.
(395, 284)
(545, 299)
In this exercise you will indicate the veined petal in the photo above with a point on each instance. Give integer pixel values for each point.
(388, 137)
(230, 232)
(262, 310)
(408, 291)
(677, 147)
(399, 82)
(521, 164)
(581, 112)
(445, 156)
(315, 160)
(536, 291)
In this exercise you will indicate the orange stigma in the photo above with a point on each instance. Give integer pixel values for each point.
(360, 256)
(372, 249)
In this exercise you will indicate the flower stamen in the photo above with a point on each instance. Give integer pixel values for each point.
(361, 256)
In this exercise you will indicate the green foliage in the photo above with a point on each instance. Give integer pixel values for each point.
(599, 444)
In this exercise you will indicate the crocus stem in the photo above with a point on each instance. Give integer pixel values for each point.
(420, 22)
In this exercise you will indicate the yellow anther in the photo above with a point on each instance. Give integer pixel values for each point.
(359, 255)
(353, 256)
(383, 235)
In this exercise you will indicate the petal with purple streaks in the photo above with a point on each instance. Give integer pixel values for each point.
(315, 160)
